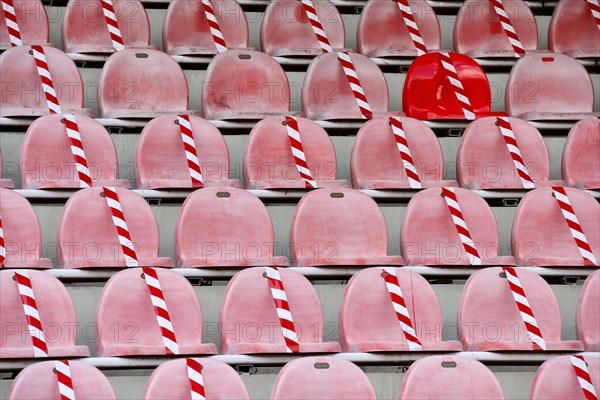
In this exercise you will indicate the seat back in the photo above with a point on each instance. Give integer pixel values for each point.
(581, 155)
(33, 23)
(588, 320)
(556, 379)
(573, 27)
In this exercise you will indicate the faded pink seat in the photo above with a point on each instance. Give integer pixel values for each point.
(125, 302)
(244, 84)
(141, 83)
(484, 162)
(22, 233)
(549, 86)
(541, 236)
(5, 182)
(33, 23)
(236, 230)
(170, 381)
(87, 237)
(382, 32)
(450, 378)
(161, 161)
(287, 31)
(588, 319)
(478, 32)
(47, 161)
(55, 310)
(269, 163)
(375, 162)
(326, 93)
(368, 323)
(487, 301)
(84, 28)
(556, 379)
(573, 30)
(186, 32)
(338, 228)
(429, 236)
(249, 322)
(318, 378)
(581, 155)
(22, 94)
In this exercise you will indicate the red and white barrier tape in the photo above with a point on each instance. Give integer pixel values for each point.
(459, 90)
(64, 379)
(12, 25)
(2, 245)
(316, 25)
(583, 377)
(461, 225)
(413, 28)
(508, 27)
(518, 293)
(397, 299)
(513, 148)
(298, 152)
(187, 136)
(85, 180)
(113, 25)
(47, 85)
(215, 29)
(409, 166)
(160, 309)
(357, 90)
(34, 323)
(576, 230)
(118, 218)
(595, 10)
(194, 372)
(283, 310)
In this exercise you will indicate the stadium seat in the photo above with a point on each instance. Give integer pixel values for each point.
(382, 32)
(244, 84)
(376, 163)
(125, 302)
(87, 237)
(534, 85)
(429, 236)
(186, 31)
(541, 236)
(22, 233)
(22, 94)
(160, 156)
(369, 323)
(489, 319)
(339, 228)
(47, 161)
(33, 24)
(84, 27)
(39, 382)
(556, 379)
(478, 32)
(55, 311)
(581, 155)
(484, 161)
(141, 84)
(249, 321)
(5, 182)
(287, 31)
(269, 163)
(236, 231)
(170, 381)
(429, 95)
(574, 30)
(317, 378)
(450, 378)
(326, 93)
(588, 320)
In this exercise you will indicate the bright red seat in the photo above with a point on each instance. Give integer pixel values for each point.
(548, 86)
(125, 302)
(249, 321)
(5, 182)
(450, 378)
(588, 319)
(376, 163)
(478, 32)
(39, 382)
(186, 31)
(574, 30)
(141, 84)
(489, 319)
(161, 160)
(541, 236)
(170, 381)
(287, 31)
(87, 237)
(581, 155)
(317, 378)
(369, 323)
(33, 24)
(55, 311)
(84, 28)
(338, 228)
(382, 32)
(236, 230)
(556, 379)
(47, 161)
(269, 163)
